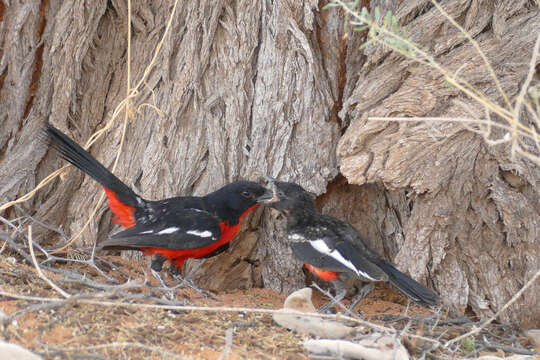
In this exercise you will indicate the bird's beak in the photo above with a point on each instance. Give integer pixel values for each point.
(270, 195)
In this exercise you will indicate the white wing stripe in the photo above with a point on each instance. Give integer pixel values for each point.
(203, 234)
(148, 232)
(168, 230)
(321, 247)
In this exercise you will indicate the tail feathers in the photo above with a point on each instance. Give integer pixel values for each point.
(81, 159)
(413, 289)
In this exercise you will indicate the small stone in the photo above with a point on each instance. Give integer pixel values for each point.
(371, 347)
(300, 300)
(16, 352)
(292, 318)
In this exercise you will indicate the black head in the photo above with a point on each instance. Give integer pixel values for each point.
(287, 196)
(233, 200)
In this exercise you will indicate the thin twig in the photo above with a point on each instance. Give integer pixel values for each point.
(501, 310)
(523, 91)
(13, 245)
(156, 349)
(228, 344)
(475, 44)
(40, 273)
(508, 349)
(333, 300)
(3, 246)
(219, 309)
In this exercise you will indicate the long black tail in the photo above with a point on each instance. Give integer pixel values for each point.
(80, 158)
(413, 289)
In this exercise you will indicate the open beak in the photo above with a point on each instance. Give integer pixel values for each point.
(270, 195)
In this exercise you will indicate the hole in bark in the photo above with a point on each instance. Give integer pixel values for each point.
(378, 214)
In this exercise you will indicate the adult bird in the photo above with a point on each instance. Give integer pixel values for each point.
(334, 250)
(173, 229)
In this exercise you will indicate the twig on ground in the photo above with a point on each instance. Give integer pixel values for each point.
(13, 245)
(32, 308)
(333, 299)
(33, 220)
(501, 310)
(36, 265)
(77, 278)
(3, 246)
(90, 262)
(50, 258)
(219, 309)
(228, 344)
(507, 348)
(155, 349)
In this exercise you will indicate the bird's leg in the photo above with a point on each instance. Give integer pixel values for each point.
(340, 292)
(157, 275)
(155, 267)
(362, 293)
(176, 273)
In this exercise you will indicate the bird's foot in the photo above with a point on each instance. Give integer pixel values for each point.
(362, 293)
(170, 290)
(333, 300)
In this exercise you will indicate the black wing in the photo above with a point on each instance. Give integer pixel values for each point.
(309, 255)
(342, 243)
(353, 248)
(183, 229)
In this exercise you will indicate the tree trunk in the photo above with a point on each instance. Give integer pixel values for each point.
(252, 88)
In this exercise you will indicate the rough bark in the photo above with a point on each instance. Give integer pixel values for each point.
(251, 88)
(473, 225)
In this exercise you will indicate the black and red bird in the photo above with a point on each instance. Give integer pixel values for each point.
(173, 229)
(333, 249)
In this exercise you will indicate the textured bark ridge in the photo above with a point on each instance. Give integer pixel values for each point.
(473, 222)
(252, 88)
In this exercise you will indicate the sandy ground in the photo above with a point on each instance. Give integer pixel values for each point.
(76, 330)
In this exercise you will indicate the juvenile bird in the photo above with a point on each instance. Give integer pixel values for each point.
(334, 250)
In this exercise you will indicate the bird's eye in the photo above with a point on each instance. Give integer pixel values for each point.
(246, 194)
